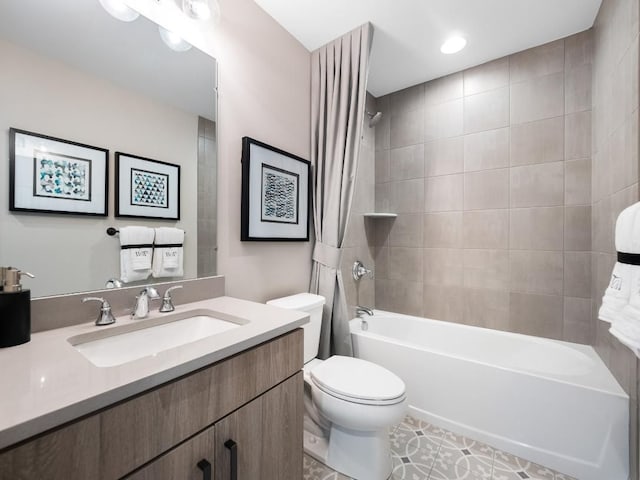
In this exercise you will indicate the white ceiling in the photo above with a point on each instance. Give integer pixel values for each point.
(408, 33)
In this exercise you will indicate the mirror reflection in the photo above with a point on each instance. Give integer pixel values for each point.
(72, 71)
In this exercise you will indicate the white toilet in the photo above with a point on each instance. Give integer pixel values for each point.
(349, 403)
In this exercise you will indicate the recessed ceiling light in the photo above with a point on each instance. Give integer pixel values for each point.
(453, 44)
(119, 10)
(173, 40)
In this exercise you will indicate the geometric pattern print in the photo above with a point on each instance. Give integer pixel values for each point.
(421, 451)
(149, 189)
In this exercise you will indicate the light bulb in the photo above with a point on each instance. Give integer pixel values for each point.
(453, 45)
(119, 10)
(198, 9)
(173, 40)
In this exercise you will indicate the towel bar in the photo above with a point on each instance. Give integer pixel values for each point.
(114, 231)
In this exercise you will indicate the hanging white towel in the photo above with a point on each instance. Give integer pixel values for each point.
(136, 251)
(627, 327)
(617, 293)
(168, 253)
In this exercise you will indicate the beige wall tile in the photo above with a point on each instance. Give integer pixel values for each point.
(408, 196)
(383, 199)
(577, 182)
(443, 193)
(383, 128)
(539, 315)
(443, 120)
(406, 230)
(578, 49)
(486, 189)
(577, 320)
(486, 269)
(486, 111)
(443, 303)
(407, 128)
(406, 162)
(537, 142)
(577, 228)
(405, 264)
(444, 156)
(537, 185)
(542, 97)
(411, 98)
(382, 166)
(443, 230)
(443, 89)
(577, 89)
(577, 274)
(486, 308)
(442, 266)
(399, 296)
(488, 76)
(486, 150)
(537, 62)
(536, 228)
(536, 272)
(381, 262)
(486, 229)
(577, 135)
(624, 154)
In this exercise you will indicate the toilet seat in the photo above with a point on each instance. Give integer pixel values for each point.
(358, 381)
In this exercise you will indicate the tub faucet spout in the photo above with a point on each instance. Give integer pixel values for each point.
(363, 310)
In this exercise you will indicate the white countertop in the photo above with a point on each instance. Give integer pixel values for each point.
(47, 382)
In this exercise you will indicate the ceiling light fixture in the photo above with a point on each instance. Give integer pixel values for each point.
(198, 9)
(173, 40)
(453, 44)
(119, 10)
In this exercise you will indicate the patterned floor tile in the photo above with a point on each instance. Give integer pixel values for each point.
(507, 467)
(314, 470)
(562, 476)
(458, 453)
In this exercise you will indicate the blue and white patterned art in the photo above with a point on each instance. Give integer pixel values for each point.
(149, 189)
(279, 195)
(61, 176)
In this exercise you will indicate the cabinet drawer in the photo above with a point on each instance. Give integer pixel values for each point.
(138, 430)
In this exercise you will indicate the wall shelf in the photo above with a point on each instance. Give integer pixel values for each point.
(380, 215)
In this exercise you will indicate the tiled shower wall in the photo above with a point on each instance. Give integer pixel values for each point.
(615, 172)
(356, 246)
(489, 171)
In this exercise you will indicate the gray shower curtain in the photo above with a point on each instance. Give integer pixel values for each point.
(338, 90)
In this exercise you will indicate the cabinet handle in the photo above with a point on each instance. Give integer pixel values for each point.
(206, 469)
(233, 449)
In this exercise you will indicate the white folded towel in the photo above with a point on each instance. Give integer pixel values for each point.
(135, 263)
(627, 327)
(617, 293)
(168, 253)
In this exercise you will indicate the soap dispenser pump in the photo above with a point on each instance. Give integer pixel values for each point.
(15, 308)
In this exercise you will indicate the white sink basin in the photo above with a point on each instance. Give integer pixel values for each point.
(119, 345)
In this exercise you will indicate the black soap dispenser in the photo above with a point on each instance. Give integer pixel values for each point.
(15, 308)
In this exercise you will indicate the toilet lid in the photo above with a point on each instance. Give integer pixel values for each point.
(358, 380)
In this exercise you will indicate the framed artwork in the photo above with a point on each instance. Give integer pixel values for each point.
(52, 175)
(275, 194)
(147, 188)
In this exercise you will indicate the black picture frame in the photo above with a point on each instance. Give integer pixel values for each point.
(276, 194)
(146, 188)
(57, 176)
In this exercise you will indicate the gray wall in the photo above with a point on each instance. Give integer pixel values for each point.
(356, 245)
(615, 171)
(489, 171)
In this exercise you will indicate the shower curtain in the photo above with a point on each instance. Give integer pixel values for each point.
(338, 90)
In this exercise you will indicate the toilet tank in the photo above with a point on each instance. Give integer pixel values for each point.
(311, 304)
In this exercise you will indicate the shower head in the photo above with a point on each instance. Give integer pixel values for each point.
(374, 118)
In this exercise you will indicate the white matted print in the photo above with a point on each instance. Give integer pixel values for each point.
(52, 175)
(147, 188)
(275, 194)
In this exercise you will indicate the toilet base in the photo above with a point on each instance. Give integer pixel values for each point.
(360, 455)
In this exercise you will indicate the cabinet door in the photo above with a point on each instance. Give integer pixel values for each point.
(193, 460)
(263, 439)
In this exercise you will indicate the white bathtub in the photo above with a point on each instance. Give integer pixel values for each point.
(551, 402)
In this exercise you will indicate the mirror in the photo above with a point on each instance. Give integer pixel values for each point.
(72, 71)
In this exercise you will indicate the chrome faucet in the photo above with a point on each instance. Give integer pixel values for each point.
(105, 316)
(141, 309)
(363, 310)
(167, 301)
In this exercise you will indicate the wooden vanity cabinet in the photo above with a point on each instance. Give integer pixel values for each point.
(253, 400)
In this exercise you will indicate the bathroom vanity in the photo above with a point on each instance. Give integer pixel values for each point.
(235, 414)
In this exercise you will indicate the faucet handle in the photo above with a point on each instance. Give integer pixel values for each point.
(167, 301)
(105, 316)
